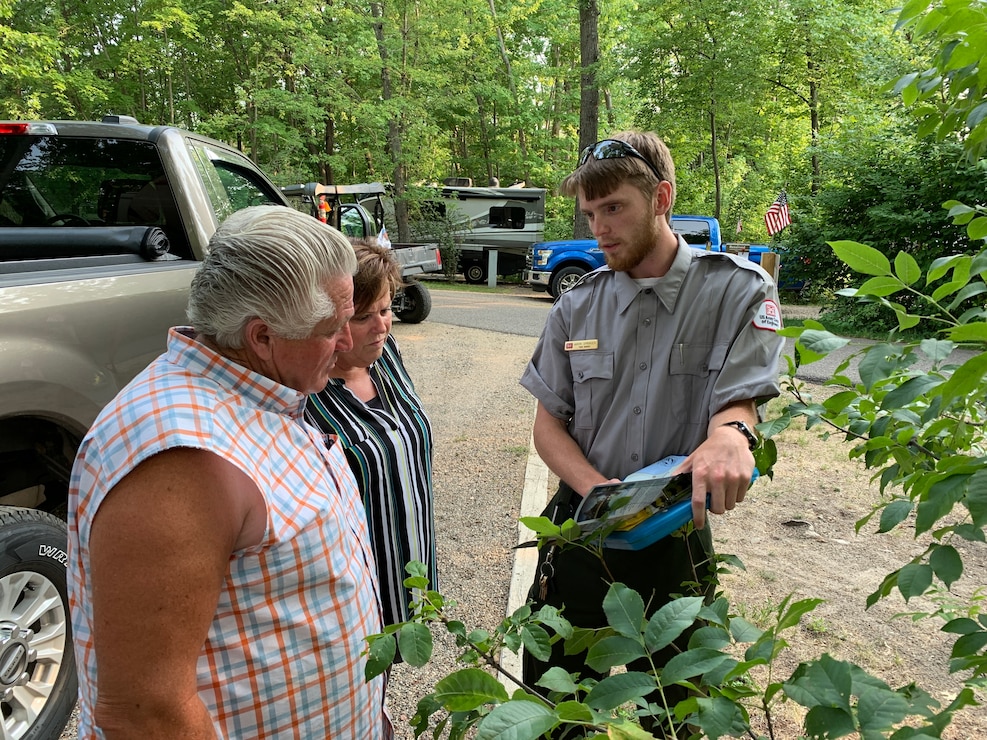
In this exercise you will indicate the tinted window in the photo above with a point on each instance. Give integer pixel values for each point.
(509, 217)
(56, 182)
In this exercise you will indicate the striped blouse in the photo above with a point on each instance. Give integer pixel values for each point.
(389, 446)
(282, 657)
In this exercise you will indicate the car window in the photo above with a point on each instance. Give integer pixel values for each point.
(53, 182)
(230, 182)
(352, 222)
(694, 232)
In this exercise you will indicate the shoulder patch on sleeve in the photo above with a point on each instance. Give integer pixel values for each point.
(768, 317)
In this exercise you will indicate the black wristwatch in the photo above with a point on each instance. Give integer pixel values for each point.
(745, 430)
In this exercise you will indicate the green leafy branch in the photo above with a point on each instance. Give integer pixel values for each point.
(921, 430)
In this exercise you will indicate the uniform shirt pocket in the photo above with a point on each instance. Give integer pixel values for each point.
(692, 370)
(592, 389)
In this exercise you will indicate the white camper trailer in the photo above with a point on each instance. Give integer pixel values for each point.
(491, 223)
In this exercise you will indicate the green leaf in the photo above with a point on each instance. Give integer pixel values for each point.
(914, 579)
(573, 711)
(877, 364)
(557, 679)
(720, 717)
(942, 496)
(794, 613)
(744, 631)
(613, 651)
(936, 349)
(972, 332)
(381, 652)
(716, 638)
(415, 643)
(880, 709)
(976, 498)
(894, 514)
(580, 640)
(623, 729)
(946, 563)
(815, 344)
(966, 379)
(861, 258)
(822, 683)
(516, 720)
(961, 626)
(829, 722)
(912, 10)
(977, 228)
(671, 621)
(906, 268)
(947, 289)
(838, 402)
(881, 286)
(624, 608)
(911, 389)
(613, 691)
(691, 663)
(469, 689)
(970, 644)
(940, 267)
(549, 616)
(536, 641)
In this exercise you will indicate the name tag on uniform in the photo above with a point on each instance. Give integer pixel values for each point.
(571, 346)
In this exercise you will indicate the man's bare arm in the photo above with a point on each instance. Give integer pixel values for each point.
(562, 455)
(159, 550)
(723, 464)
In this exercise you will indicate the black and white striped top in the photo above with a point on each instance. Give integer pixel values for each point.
(388, 444)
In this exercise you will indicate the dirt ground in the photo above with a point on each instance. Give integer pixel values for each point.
(796, 535)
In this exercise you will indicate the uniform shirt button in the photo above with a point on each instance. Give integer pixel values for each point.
(637, 409)
(643, 366)
(580, 375)
(647, 291)
(647, 322)
(634, 457)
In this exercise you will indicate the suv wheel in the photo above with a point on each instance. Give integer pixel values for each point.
(38, 685)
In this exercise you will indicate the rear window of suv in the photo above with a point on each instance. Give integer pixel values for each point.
(61, 181)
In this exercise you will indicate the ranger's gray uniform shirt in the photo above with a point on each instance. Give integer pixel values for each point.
(648, 368)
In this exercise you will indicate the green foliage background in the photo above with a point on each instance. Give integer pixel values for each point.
(751, 100)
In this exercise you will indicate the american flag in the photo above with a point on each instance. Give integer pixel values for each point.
(777, 217)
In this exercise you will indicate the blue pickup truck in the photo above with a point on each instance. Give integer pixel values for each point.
(556, 266)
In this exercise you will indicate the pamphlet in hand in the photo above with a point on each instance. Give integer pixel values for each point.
(646, 506)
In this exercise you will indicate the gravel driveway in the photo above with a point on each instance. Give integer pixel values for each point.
(468, 380)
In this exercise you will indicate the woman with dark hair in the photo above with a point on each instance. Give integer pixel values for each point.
(370, 404)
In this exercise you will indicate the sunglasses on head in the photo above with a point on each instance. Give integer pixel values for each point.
(614, 149)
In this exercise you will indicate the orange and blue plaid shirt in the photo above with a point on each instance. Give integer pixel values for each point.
(282, 658)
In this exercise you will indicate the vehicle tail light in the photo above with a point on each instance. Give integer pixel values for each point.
(27, 128)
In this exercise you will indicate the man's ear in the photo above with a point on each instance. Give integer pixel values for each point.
(663, 198)
(258, 338)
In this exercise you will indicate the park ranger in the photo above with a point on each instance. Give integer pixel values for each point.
(667, 350)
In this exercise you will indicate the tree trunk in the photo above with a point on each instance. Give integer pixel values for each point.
(589, 93)
(714, 153)
(393, 129)
(814, 123)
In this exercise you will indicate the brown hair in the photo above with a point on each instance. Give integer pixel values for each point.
(600, 177)
(376, 269)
